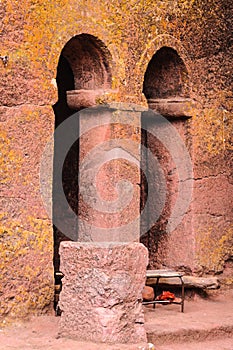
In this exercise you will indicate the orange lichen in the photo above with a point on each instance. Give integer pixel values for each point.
(33, 34)
(10, 159)
(214, 249)
(24, 256)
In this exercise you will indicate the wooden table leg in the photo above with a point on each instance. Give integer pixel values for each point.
(182, 294)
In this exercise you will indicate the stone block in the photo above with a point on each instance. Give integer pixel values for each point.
(148, 293)
(101, 298)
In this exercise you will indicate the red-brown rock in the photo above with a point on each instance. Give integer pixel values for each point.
(148, 293)
(102, 291)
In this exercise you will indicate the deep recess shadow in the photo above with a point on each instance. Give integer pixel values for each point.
(166, 77)
(84, 64)
(65, 82)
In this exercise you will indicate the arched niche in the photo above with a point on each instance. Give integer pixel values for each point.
(90, 62)
(166, 84)
(167, 90)
(83, 73)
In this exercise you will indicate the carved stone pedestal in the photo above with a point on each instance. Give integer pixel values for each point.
(102, 292)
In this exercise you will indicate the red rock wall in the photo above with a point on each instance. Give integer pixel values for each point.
(33, 34)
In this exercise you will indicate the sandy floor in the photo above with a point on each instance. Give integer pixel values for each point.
(206, 325)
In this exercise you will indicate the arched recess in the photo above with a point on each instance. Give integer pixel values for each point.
(166, 87)
(90, 62)
(166, 84)
(83, 70)
(166, 75)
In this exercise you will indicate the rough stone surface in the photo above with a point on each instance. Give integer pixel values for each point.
(26, 242)
(174, 249)
(109, 175)
(77, 99)
(173, 107)
(102, 292)
(33, 35)
(148, 293)
(189, 281)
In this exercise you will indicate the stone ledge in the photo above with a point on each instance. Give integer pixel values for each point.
(77, 99)
(172, 107)
(189, 281)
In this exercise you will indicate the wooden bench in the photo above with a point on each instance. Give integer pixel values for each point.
(165, 274)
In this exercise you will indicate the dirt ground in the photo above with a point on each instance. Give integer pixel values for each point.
(205, 325)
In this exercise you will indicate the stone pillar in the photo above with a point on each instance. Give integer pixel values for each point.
(109, 174)
(105, 271)
(102, 291)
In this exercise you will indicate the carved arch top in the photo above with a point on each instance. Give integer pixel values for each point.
(90, 62)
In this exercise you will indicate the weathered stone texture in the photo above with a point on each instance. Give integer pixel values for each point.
(25, 232)
(102, 291)
(33, 34)
(148, 293)
(109, 174)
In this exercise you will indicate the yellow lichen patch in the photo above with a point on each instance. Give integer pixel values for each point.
(26, 268)
(23, 138)
(10, 159)
(212, 126)
(124, 26)
(35, 32)
(213, 249)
